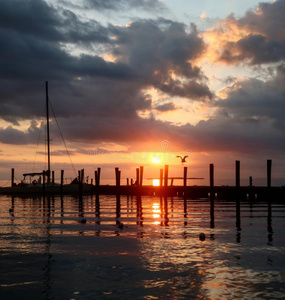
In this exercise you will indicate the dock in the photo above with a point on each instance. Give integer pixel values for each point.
(163, 189)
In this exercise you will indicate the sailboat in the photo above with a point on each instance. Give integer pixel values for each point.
(45, 179)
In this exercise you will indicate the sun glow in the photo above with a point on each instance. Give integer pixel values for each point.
(156, 160)
(155, 182)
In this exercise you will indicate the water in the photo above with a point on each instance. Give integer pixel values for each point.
(48, 251)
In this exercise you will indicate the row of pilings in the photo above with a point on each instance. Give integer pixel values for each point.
(136, 187)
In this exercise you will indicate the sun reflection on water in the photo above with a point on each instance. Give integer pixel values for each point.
(156, 213)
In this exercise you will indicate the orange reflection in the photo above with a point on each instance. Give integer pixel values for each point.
(156, 212)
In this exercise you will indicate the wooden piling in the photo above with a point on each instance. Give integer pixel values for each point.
(52, 177)
(82, 176)
(165, 175)
(141, 176)
(161, 178)
(137, 176)
(237, 174)
(98, 176)
(185, 177)
(269, 166)
(212, 177)
(12, 177)
(118, 177)
(79, 176)
(61, 181)
(44, 182)
(212, 195)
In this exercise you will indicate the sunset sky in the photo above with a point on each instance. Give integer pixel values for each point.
(131, 80)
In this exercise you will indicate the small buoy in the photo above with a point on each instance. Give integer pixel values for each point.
(83, 221)
(202, 236)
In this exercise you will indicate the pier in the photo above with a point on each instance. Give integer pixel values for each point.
(210, 191)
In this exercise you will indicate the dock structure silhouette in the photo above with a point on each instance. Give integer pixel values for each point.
(210, 191)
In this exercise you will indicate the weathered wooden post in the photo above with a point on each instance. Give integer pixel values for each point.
(12, 177)
(250, 181)
(128, 182)
(238, 195)
(52, 177)
(165, 175)
(44, 182)
(185, 177)
(137, 176)
(118, 177)
(269, 166)
(268, 196)
(237, 174)
(141, 176)
(61, 181)
(79, 176)
(82, 176)
(212, 196)
(161, 178)
(98, 176)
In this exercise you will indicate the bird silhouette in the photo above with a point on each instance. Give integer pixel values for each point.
(183, 159)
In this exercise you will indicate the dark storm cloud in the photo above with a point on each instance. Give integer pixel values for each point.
(159, 49)
(257, 101)
(36, 19)
(169, 106)
(256, 49)
(265, 38)
(98, 100)
(124, 4)
(10, 135)
(34, 40)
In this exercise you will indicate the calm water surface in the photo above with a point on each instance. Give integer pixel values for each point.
(140, 248)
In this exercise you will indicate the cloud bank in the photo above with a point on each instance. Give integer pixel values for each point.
(101, 77)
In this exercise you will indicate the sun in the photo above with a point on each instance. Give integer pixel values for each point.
(155, 182)
(156, 160)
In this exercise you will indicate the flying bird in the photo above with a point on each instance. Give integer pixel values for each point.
(183, 159)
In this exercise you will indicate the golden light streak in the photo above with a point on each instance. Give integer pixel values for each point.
(156, 213)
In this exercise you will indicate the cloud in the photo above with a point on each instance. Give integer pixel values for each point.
(164, 55)
(97, 100)
(256, 38)
(257, 100)
(169, 106)
(125, 4)
(147, 53)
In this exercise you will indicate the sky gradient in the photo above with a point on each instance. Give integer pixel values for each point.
(131, 80)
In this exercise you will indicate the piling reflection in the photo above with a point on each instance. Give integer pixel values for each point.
(172, 242)
(47, 269)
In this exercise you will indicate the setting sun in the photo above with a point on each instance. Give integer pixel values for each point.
(155, 182)
(156, 160)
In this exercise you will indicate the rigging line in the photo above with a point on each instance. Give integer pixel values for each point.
(62, 139)
(8, 181)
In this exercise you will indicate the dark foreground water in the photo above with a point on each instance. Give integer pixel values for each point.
(48, 251)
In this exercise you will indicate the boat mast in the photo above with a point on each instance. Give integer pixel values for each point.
(48, 139)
